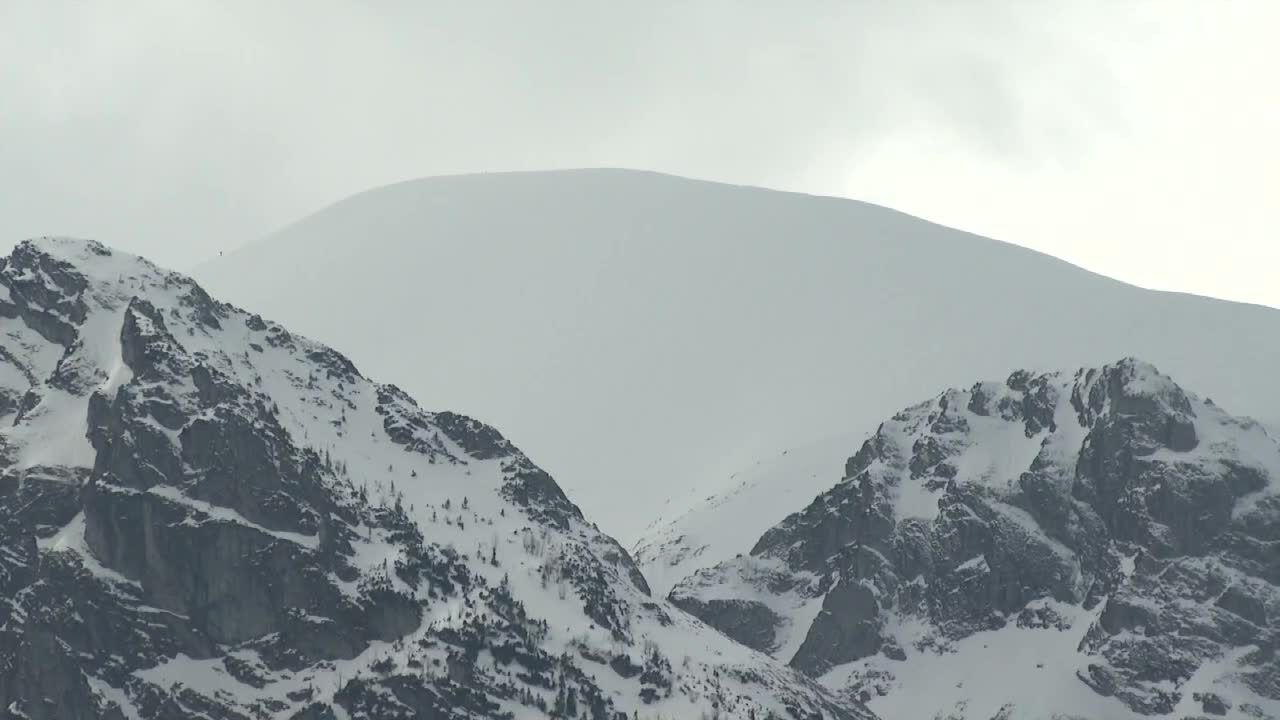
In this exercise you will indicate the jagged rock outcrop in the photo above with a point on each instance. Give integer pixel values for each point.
(1109, 506)
(204, 515)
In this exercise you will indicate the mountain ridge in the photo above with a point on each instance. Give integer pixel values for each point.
(670, 176)
(1104, 524)
(204, 514)
(663, 176)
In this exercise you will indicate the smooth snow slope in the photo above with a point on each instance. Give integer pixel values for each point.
(725, 523)
(645, 333)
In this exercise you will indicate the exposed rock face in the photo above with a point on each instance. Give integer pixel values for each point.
(1109, 504)
(750, 623)
(848, 627)
(202, 515)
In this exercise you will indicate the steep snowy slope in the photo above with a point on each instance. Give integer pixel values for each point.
(647, 333)
(1097, 544)
(204, 515)
(719, 526)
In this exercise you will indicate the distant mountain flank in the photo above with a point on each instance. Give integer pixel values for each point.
(650, 334)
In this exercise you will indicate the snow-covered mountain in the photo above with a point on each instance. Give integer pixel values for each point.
(648, 333)
(205, 515)
(1090, 544)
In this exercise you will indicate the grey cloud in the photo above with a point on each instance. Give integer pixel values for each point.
(177, 129)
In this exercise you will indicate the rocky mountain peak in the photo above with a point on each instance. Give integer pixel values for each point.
(205, 515)
(1058, 500)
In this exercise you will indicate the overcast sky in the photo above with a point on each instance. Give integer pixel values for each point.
(1138, 139)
